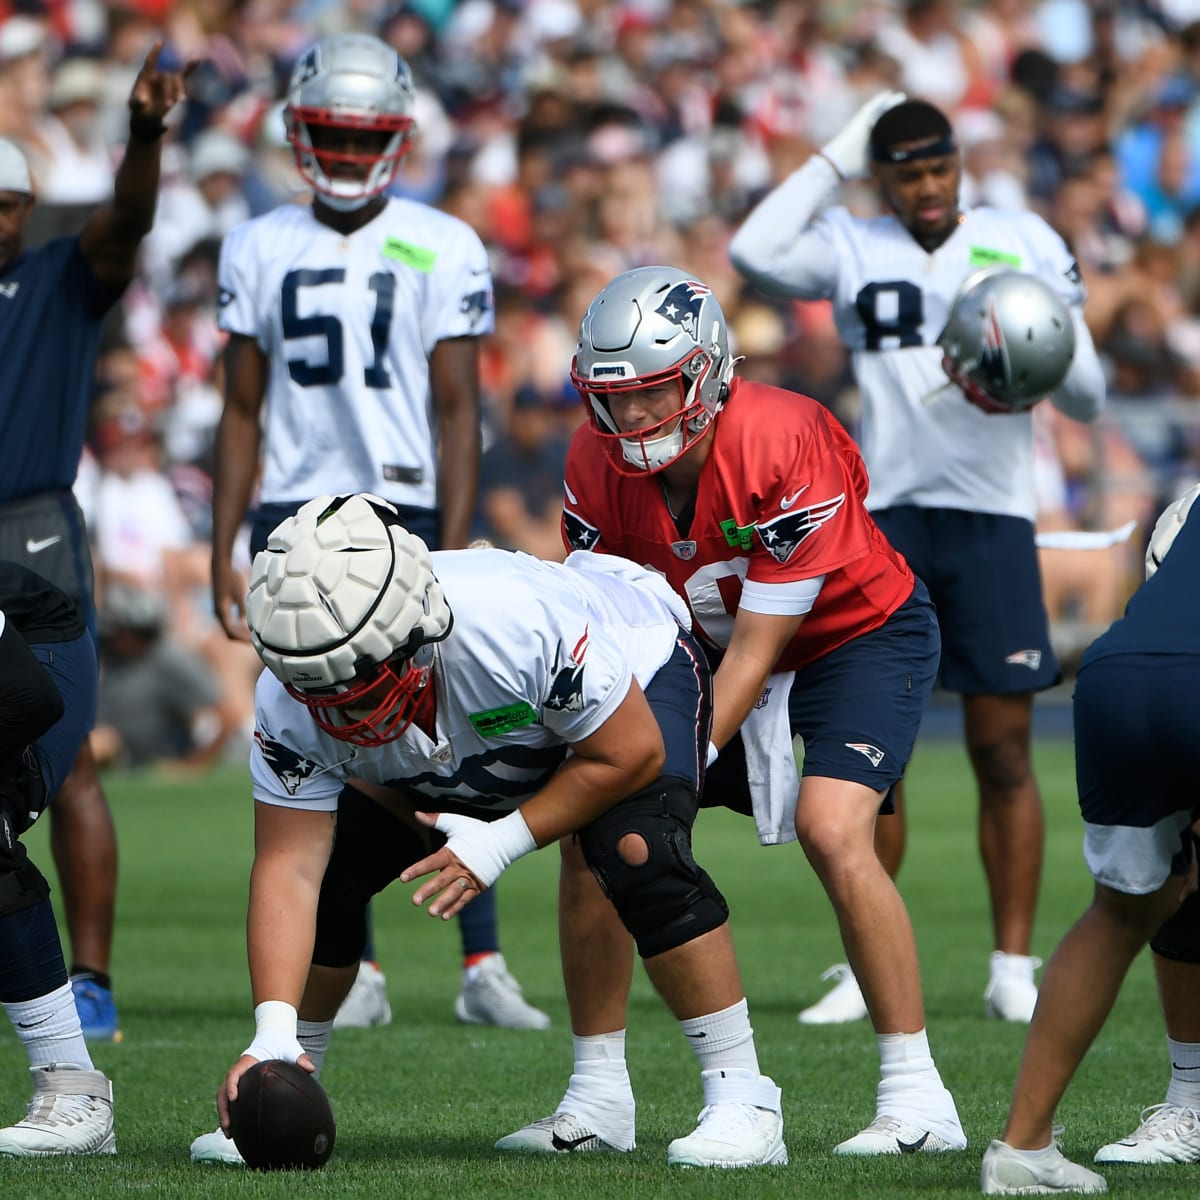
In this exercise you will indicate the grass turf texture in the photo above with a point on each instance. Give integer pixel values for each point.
(420, 1102)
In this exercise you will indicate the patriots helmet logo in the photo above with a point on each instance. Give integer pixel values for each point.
(682, 306)
(566, 692)
(580, 535)
(291, 768)
(784, 534)
(993, 357)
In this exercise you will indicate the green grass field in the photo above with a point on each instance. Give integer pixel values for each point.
(420, 1102)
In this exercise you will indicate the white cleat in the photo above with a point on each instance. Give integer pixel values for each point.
(1169, 1133)
(71, 1113)
(215, 1147)
(559, 1133)
(491, 996)
(890, 1135)
(1009, 1172)
(366, 1002)
(741, 1124)
(1011, 993)
(843, 1003)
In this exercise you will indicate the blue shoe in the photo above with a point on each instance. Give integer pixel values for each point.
(97, 1009)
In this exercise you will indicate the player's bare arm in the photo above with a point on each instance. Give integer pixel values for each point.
(454, 379)
(757, 642)
(623, 756)
(239, 434)
(110, 239)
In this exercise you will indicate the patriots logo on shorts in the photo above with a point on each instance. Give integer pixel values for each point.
(682, 306)
(291, 768)
(566, 692)
(783, 535)
(580, 534)
(872, 753)
(1025, 658)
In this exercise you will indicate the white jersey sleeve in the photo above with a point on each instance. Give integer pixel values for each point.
(348, 324)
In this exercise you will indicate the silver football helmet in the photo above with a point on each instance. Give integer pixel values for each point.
(653, 326)
(1009, 340)
(354, 84)
(342, 602)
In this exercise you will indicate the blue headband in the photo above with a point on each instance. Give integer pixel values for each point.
(894, 154)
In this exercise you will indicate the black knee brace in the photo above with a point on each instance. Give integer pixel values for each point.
(1179, 936)
(668, 899)
(22, 887)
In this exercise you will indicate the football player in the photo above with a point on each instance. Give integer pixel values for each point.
(951, 479)
(494, 703)
(749, 500)
(47, 699)
(353, 365)
(1137, 733)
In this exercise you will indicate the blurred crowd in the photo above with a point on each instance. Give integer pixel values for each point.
(580, 138)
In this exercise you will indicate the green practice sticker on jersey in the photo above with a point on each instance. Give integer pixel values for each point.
(737, 535)
(494, 722)
(412, 256)
(981, 256)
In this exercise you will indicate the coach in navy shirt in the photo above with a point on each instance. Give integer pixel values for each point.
(53, 301)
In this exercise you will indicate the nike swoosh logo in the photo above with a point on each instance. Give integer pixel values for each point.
(912, 1147)
(697, 1035)
(568, 1145)
(33, 546)
(1179, 1067)
(788, 501)
(33, 1024)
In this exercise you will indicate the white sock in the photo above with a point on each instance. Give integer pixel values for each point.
(911, 1088)
(1184, 1088)
(723, 1039)
(48, 1026)
(1013, 966)
(314, 1037)
(599, 1092)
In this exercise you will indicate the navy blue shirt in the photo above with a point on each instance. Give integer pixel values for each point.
(51, 312)
(1162, 616)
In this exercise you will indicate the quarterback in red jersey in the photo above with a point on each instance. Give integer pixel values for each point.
(749, 499)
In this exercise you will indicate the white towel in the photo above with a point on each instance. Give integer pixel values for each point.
(771, 762)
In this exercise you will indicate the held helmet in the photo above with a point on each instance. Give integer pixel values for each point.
(350, 82)
(341, 602)
(1009, 337)
(653, 326)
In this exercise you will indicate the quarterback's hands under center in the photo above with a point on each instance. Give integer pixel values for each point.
(229, 1087)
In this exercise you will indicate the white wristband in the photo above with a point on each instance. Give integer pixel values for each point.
(275, 1032)
(485, 848)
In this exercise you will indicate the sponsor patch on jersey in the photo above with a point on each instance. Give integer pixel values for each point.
(290, 768)
(580, 535)
(566, 692)
(783, 535)
(873, 753)
(982, 256)
(495, 722)
(1025, 658)
(417, 257)
(684, 550)
(738, 536)
(397, 474)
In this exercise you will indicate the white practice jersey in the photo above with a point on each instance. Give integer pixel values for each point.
(540, 655)
(349, 323)
(923, 442)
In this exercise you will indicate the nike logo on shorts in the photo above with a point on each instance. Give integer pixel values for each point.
(36, 545)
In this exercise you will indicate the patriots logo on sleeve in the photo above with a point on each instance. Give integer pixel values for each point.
(225, 297)
(580, 534)
(291, 768)
(474, 305)
(783, 535)
(566, 692)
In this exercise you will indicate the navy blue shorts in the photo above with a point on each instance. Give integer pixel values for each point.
(1137, 760)
(680, 696)
(424, 522)
(858, 708)
(73, 668)
(982, 573)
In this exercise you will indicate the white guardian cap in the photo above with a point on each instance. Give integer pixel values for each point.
(341, 601)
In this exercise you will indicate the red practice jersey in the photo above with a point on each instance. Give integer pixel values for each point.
(780, 500)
